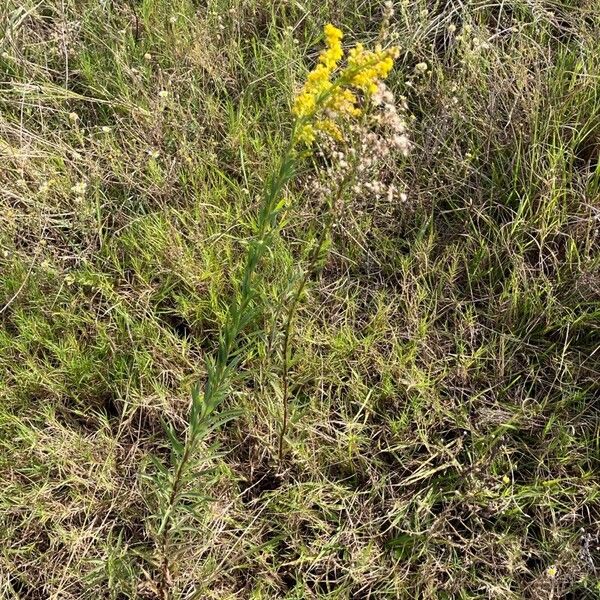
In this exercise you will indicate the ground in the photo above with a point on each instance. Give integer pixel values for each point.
(444, 382)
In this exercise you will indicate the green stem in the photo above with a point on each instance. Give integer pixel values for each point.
(314, 257)
(203, 405)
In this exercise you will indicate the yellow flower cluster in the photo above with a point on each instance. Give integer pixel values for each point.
(334, 52)
(318, 83)
(370, 66)
(335, 98)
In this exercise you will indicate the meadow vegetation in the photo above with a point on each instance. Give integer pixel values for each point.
(229, 369)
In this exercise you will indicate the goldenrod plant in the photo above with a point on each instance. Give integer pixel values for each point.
(324, 110)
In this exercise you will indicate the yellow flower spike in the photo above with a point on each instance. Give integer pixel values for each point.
(318, 80)
(370, 66)
(334, 52)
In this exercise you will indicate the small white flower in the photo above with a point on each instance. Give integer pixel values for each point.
(106, 129)
(402, 143)
(44, 187)
(163, 94)
(147, 56)
(79, 188)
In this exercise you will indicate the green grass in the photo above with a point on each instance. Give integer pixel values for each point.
(444, 435)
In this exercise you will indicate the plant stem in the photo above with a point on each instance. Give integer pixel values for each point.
(221, 370)
(314, 257)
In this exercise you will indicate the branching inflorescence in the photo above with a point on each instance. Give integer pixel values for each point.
(328, 100)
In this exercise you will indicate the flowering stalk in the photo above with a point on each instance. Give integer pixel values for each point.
(322, 108)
